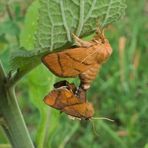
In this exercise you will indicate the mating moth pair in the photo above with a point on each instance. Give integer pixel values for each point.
(83, 61)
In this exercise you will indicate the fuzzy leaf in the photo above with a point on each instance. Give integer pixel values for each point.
(59, 18)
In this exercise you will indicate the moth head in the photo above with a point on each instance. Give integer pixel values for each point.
(89, 111)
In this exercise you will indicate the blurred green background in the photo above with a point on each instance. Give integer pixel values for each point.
(120, 91)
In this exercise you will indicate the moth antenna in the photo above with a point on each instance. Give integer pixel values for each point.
(103, 35)
(74, 36)
(88, 56)
(103, 32)
(94, 128)
(102, 118)
(98, 118)
(100, 32)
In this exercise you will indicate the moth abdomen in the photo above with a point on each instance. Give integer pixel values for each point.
(88, 76)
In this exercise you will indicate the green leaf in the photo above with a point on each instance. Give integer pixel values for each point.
(59, 18)
(23, 59)
(9, 27)
(30, 26)
(146, 145)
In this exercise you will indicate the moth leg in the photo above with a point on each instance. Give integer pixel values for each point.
(81, 94)
(88, 76)
(81, 43)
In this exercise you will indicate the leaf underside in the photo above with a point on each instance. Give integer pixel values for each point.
(59, 18)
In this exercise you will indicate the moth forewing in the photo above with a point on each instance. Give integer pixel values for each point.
(61, 97)
(83, 110)
(69, 63)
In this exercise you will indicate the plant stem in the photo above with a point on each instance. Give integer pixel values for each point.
(13, 125)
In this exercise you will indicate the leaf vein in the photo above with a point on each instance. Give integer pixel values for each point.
(51, 41)
(90, 11)
(64, 20)
(107, 13)
(81, 18)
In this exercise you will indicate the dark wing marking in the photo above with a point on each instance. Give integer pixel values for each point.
(70, 63)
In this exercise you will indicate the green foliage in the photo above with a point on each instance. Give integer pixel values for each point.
(9, 27)
(39, 87)
(24, 58)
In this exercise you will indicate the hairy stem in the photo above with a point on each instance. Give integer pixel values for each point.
(13, 123)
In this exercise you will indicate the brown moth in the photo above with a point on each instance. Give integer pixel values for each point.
(83, 61)
(64, 99)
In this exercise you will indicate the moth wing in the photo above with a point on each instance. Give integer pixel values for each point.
(60, 98)
(83, 110)
(51, 98)
(71, 62)
(73, 110)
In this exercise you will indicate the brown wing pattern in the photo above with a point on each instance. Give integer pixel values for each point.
(84, 110)
(71, 62)
(68, 103)
(61, 97)
(64, 99)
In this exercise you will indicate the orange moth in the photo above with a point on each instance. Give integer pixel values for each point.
(64, 99)
(84, 61)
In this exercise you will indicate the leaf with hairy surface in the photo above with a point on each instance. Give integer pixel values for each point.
(59, 18)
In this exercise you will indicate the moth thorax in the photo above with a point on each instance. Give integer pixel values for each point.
(89, 75)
